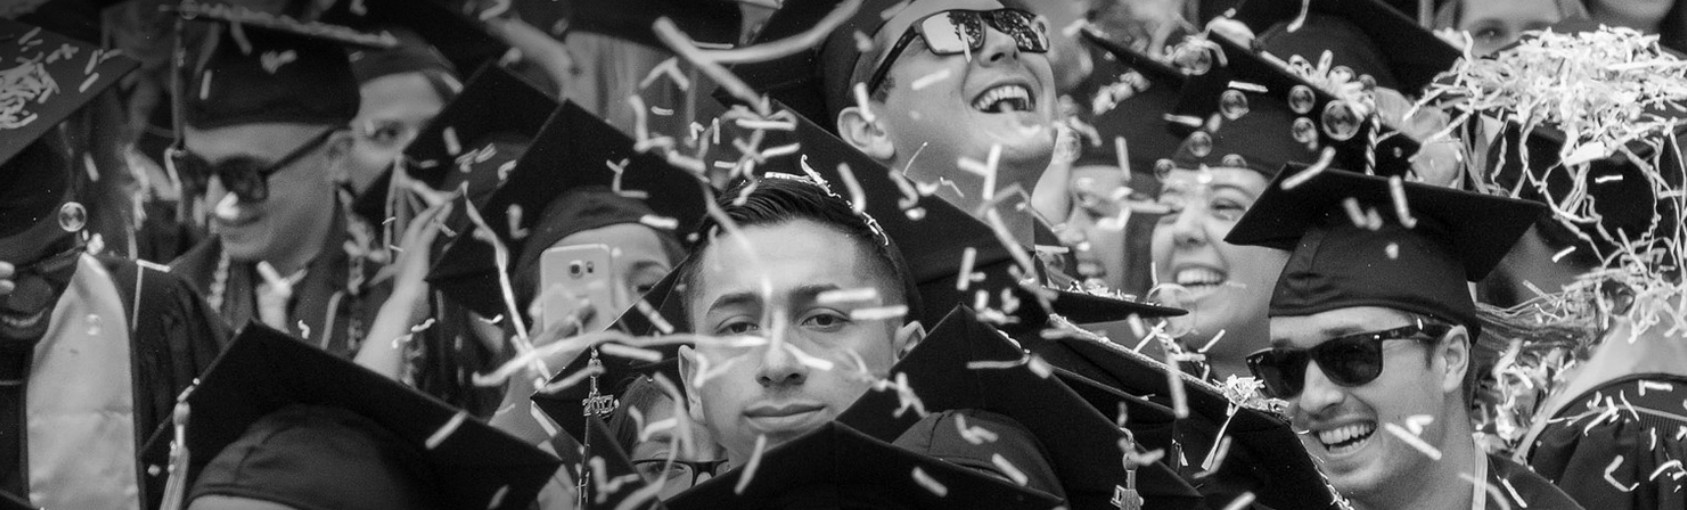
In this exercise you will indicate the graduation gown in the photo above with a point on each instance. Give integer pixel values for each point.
(173, 337)
(331, 306)
(1620, 445)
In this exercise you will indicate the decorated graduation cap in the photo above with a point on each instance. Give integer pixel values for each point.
(266, 68)
(1252, 112)
(432, 36)
(1355, 33)
(1360, 240)
(964, 364)
(278, 420)
(1146, 92)
(836, 466)
(1265, 457)
(49, 77)
(573, 152)
(817, 83)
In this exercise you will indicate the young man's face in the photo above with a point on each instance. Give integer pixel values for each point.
(301, 200)
(1345, 425)
(999, 96)
(766, 282)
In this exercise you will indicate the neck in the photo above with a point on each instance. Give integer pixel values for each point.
(1439, 484)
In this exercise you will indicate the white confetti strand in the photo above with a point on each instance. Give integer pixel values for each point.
(444, 432)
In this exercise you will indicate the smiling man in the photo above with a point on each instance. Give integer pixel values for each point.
(1372, 325)
(265, 123)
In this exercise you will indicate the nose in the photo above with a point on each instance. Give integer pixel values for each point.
(1319, 392)
(1189, 229)
(999, 47)
(780, 369)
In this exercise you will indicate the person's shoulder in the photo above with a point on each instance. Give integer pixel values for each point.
(1523, 488)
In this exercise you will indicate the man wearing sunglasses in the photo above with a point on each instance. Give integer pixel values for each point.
(1372, 325)
(93, 350)
(266, 118)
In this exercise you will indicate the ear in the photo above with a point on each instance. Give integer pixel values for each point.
(338, 149)
(689, 368)
(907, 337)
(1454, 354)
(865, 134)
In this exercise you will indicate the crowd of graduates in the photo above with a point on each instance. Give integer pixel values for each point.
(698, 254)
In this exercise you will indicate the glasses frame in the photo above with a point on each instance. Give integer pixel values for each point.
(992, 18)
(1289, 364)
(712, 467)
(243, 175)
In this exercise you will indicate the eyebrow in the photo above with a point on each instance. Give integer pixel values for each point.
(1181, 188)
(1328, 332)
(801, 294)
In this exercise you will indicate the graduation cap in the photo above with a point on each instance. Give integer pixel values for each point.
(441, 35)
(613, 478)
(836, 466)
(572, 152)
(713, 23)
(1367, 36)
(495, 105)
(816, 83)
(1414, 256)
(1265, 457)
(276, 419)
(1082, 444)
(1254, 113)
(259, 67)
(1154, 88)
(50, 77)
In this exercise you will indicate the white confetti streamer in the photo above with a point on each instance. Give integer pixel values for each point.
(444, 432)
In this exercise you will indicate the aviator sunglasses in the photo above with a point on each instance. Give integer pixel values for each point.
(1352, 360)
(958, 31)
(245, 176)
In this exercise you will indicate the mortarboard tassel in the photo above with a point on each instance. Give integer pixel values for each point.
(175, 488)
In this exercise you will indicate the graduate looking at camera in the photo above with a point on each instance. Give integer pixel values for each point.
(1372, 325)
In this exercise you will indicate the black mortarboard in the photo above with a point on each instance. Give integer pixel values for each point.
(1367, 36)
(837, 467)
(494, 105)
(1154, 89)
(444, 32)
(12, 502)
(574, 150)
(1082, 444)
(264, 68)
(1265, 458)
(1289, 121)
(816, 83)
(934, 243)
(714, 23)
(1619, 192)
(617, 481)
(50, 77)
(267, 383)
(1458, 236)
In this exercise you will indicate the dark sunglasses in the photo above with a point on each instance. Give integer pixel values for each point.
(672, 471)
(1352, 360)
(247, 177)
(958, 31)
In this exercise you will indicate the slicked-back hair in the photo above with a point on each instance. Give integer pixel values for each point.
(777, 201)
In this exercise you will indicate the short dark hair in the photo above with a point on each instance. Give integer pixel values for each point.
(779, 200)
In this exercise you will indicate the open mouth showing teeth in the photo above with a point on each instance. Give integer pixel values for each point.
(1004, 99)
(1198, 277)
(1347, 438)
(14, 321)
